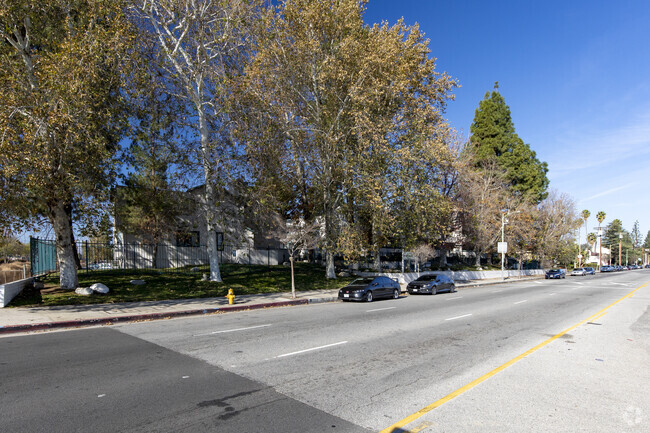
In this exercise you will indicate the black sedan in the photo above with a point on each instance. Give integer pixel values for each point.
(431, 283)
(555, 273)
(370, 288)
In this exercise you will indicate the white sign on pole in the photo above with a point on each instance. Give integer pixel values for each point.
(502, 247)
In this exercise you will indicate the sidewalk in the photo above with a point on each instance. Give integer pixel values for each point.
(24, 319)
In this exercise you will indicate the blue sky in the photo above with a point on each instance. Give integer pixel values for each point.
(576, 75)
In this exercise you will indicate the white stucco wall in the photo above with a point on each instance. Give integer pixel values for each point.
(10, 290)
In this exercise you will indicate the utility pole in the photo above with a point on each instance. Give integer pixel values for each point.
(620, 246)
(600, 246)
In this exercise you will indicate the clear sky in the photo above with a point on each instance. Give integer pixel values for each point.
(576, 75)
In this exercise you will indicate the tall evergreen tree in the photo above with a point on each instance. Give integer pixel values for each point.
(494, 136)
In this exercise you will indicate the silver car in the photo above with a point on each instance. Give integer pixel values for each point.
(581, 272)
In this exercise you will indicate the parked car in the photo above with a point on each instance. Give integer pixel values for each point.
(370, 288)
(555, 273)
(589, 271)
(607, 269)
(581, 272)
(432, 284)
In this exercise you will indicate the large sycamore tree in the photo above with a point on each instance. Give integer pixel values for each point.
(203, 45)
(61, 113)
(350, 116)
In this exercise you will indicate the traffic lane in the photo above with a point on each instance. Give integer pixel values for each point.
(593, 379)
(365, 379)
(248, 337)
(97, 380)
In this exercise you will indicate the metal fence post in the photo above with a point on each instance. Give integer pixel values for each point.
(87, 253)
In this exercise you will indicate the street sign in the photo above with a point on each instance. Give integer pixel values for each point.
(502, 247)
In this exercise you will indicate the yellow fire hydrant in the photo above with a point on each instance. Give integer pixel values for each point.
(230, 296)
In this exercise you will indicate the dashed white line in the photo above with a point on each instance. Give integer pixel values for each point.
(497, 291)
(233, 330)
(312, 349)
(521, 302)
(539, 282)
(380, 309)
(459, 317)
(455, 297)
(551, 294)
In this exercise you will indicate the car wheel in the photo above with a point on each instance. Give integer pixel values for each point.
(453, 289)
(395, 294)
(369, 296)
(434, 290)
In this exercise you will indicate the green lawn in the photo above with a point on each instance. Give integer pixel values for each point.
(182, 284)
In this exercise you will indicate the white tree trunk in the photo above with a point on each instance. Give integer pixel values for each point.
(64, 247)
(330, 271)
(209, 200)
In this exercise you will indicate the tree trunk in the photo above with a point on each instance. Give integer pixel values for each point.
(60, 218)
(443, 257)
(377, 261)
(330, 271)
(478, 259)
(293, 283)
(209, 200)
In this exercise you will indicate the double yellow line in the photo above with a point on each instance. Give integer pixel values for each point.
(397, 427)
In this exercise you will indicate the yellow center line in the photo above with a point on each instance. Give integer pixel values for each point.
(397, 427)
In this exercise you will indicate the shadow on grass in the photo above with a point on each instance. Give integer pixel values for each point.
(178, 284)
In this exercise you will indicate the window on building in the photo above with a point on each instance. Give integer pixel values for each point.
(188, 239)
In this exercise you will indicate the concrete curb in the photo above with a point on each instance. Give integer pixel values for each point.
(12, 329)
(107, 321)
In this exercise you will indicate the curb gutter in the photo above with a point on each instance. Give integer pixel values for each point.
(12, 329)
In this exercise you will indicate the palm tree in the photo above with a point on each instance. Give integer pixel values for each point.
(600, 216)
(585, 214)
(591, 238)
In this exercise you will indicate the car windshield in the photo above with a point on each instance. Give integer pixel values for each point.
(554, 270)
(361, 281)
(427, 278)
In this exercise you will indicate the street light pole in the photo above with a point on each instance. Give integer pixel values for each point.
(503, 233)
(504, 221)
(620, 246)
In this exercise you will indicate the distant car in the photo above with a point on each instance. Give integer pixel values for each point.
(555, 273)
(581, 272)
(370, 288)
(589, 271)
(607, 269)
(432, 284)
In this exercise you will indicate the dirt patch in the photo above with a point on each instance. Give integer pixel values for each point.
(14, 266)
(13, 271)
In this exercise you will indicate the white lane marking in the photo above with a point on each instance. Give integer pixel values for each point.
(455, 297)
(233, 330)
(575, 282)
(539, 282)
(185, 377)
(313, 348)
(620, 284)
(521, 302)
(459, 317)
(497, 291)
(101, 395)
(551, 294)
(380, 309)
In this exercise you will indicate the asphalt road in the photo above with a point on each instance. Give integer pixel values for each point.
(381, 366)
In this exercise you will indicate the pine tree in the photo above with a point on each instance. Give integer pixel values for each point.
(494, 136)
